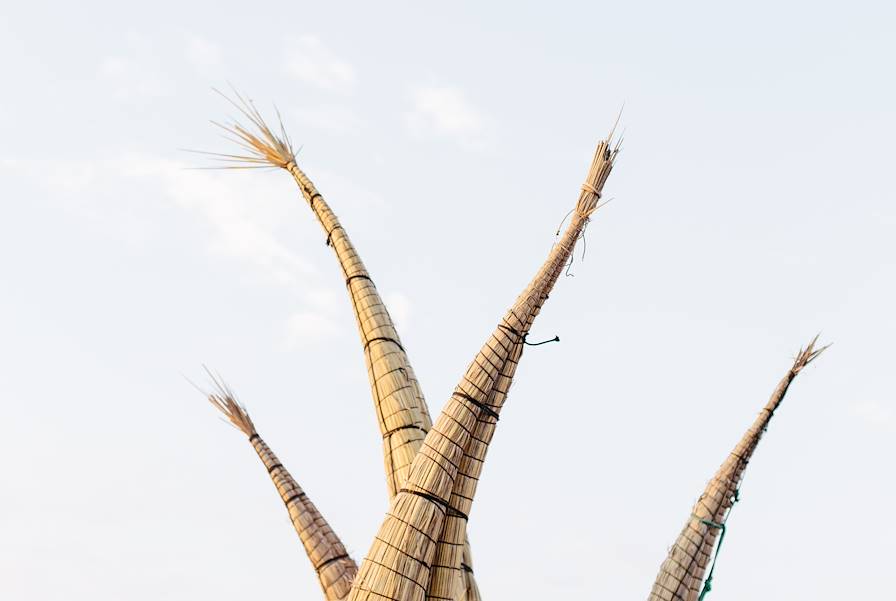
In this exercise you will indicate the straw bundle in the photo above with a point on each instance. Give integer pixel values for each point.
(335, 569)
(681, 574)
(511, 333)
(402, 414)
(441, 485)
(401, 410)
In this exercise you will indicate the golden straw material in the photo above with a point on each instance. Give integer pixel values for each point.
(681, 574)
(335, 569)
(446, 567)
(402, 413)
(430, 508)
(401, 410)
(468, 583)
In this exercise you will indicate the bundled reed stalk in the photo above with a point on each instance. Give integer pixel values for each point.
(335, 569)
(402, 414)
(512, 332)
(681, 574)
(441, 484)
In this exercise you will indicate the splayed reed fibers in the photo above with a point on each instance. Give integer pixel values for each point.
(398, 563)
(681, 574)
(335, 569)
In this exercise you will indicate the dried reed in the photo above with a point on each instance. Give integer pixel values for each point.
(335, 569)
(402, 413)
(423, 529)
(681, 574)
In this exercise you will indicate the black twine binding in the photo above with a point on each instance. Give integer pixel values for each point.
(449, 510)
(295, 497)
(485, 408)
(554, 339)
(313, 197)
(386, 338)
(431, 498)
(513, 331)
(407, 427)
(362, 276)
(330, 234)
(331, 560)
(273, 467)
(456, 513)
(526, 335)
(254, 437)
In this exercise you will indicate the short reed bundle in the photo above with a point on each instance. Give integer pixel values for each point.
(681, 575)
(335, 569)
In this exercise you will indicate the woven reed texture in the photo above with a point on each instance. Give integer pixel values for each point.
(468, 585)
(401, 409)
(681, 575)
(402, 414)
(398, 564)
(335, 569)
(447, 566)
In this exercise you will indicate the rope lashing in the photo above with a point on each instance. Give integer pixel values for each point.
(405, 427)
(384, 339)
(707, 586)
(330, 234)
(294, 498)
(526, 335)
(442, 503)
(586, 187)
(358, 276)
(482, 406)
(327, 562)
(526, 342)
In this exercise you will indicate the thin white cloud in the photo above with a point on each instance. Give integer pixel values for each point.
(303, 327)
(311, 62)
(399, 308)
(239, 211)
(203, 53)
(136, 72)
(242, 215)
(876, 413)
(446, 111)
(336, 119)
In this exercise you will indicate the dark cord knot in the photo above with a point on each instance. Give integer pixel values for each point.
(526, 342)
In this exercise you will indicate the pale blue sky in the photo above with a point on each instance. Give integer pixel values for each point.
(753, 208)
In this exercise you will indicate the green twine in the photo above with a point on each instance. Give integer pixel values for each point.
(707, 586)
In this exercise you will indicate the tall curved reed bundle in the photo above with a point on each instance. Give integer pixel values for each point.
(434, 505)
(681, 575)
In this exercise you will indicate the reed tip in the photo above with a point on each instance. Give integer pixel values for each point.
(262, 146)
(225, 401)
